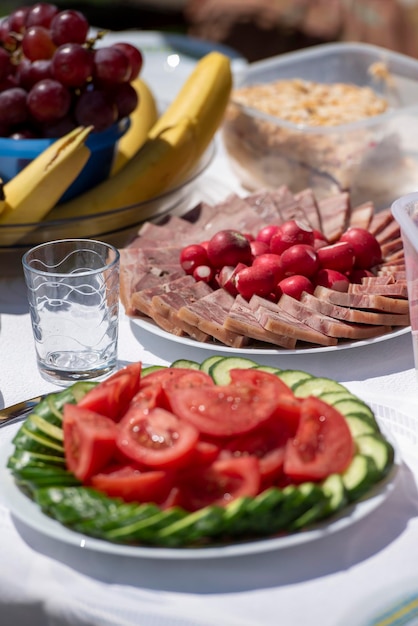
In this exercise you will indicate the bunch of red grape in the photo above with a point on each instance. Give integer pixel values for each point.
(53, 77)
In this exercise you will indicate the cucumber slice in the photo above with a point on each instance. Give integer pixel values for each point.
(36, 442)
(220, 369)
(292, 378)
(334, 396)
(359, 426)
(22, 458)
(207, 363)
(43, 427)
(354, 406)
(334, 489)
(379, 450)
(186, 363)
(313, 386)
(150, 369)
(269, 369)
(359, 476)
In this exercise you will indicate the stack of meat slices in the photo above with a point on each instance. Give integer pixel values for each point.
(154, 286)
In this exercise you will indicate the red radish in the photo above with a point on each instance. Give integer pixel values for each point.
(259, 247)
(295, 285)
(254, 280)
(229, 247)
(356, 276)
(319, 239)
(271, 262)
(192, 256)
(289, 234)
(337, 256)
(204, 273)
(265, 234)
(366, 247)
(227, 276)
(331, 279)
(299, 259)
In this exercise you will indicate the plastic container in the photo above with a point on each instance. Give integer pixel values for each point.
(405, 212)
(374, 159)
(15, 154)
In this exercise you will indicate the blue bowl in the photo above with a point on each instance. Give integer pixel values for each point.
(15, 154)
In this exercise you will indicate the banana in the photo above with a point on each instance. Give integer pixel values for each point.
(153, 167)
(31, 194)
(142, 120)
(174, 144)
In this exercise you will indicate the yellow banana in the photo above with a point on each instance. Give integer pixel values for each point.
(142, 120)
(31, 194)
(153, 166)
(163, 160)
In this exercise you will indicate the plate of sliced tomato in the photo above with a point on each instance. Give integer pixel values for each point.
(171, 462)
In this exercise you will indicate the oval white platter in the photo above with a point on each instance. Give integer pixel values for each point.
(28, 513)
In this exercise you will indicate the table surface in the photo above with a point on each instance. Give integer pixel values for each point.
(352, 576)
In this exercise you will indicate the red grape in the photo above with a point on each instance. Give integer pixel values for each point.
(17, 19)
(134, 55)
(111, 65)
(37, 43)
(69, 26)
(48, 100)
(41, 14)
(13, 106)
(94, 108)
(72, 64)
(29, 73)
(5, 64)
(125, 98)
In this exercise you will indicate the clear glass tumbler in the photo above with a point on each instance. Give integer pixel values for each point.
(73, 293)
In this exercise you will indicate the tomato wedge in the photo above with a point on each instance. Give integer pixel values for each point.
(323, 443)
(132, 484)
(156, 438)
(227, 410)
(112, 396)
(219, 484)
(89, 440)
(267, 443)
(260, 379)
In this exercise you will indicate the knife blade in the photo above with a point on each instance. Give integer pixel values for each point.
(17, 412)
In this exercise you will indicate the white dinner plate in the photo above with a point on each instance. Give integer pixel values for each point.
(149, 326)
(27, 512)
(169, 58)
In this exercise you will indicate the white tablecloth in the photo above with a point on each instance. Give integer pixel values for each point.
(343, 579)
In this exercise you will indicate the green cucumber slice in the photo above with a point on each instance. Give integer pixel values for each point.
(379, 450)
(293, 378)
(316, 386)
(359, 476)
(207, 363)
(186, 363)
(220, 369)
(359, 426)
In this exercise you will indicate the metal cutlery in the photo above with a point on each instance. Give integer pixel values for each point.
(18, 411)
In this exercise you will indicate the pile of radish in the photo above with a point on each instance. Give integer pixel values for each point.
(288, 258)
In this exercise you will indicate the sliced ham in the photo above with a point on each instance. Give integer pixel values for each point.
(209, 314)
(361, 216)
(141, 301)
(380, 220)
(357, 316)
(335, 211)
(363, 301)
(241, 319)
(307, 201)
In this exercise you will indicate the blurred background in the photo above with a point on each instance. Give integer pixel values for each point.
(259, 28)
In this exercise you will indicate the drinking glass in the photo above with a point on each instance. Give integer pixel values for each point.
(73, 293)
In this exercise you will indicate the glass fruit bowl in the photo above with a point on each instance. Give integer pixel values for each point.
(117, 226)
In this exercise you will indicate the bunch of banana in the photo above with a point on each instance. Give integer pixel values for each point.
(155, 154)
(173, 146)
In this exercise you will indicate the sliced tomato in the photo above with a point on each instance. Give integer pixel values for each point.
(205, 453)
(225, 411)
(164, 375)
(156, 438)
(89, 440)
(267, 444)
(261, 379)
(323, 444)
(112, 396)
(219, 483)
(134, 485)
(287, 413)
